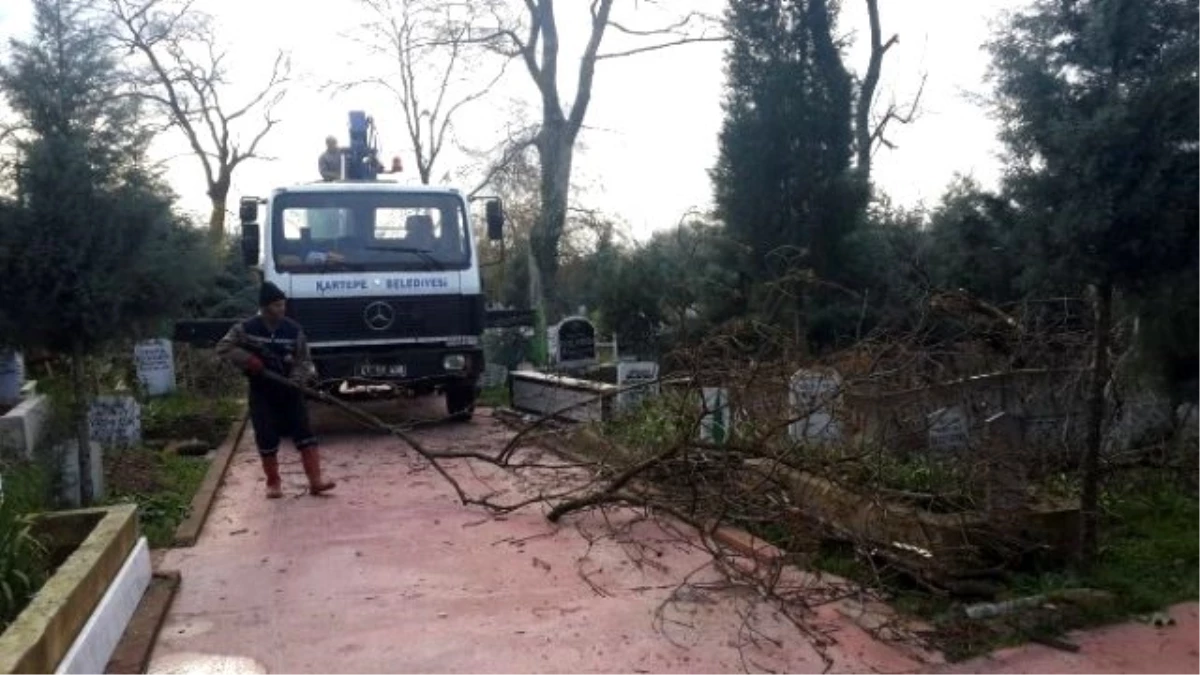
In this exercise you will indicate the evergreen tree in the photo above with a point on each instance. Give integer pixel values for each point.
(93, 251)
(783, 181)
(972, 244)
(1099, 101)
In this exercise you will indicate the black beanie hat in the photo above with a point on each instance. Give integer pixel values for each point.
(269, 293)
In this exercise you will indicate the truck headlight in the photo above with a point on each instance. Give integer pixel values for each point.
(454, 362)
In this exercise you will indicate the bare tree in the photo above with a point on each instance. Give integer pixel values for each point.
(534, 39)
(186, 77)
(870, 133)
(433, 67)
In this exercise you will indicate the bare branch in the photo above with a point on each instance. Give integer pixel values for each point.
(188, 92)
(662, 45)
(427, 51)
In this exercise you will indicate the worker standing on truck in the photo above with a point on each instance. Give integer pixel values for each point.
(271, 341)
(330, 161)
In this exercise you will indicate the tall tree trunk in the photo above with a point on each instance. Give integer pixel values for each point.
(866, 94)
(218, 192)
(555, 150)
(83, 434)
(216, 221)
(1089, 501)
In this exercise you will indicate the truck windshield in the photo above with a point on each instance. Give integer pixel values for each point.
(368, 231)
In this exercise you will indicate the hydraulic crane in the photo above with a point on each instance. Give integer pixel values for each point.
(361, 158)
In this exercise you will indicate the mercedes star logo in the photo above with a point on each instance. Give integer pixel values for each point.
(379, 316)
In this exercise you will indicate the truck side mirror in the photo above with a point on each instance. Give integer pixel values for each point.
(495, 220)
(248, 214)
(250, 243)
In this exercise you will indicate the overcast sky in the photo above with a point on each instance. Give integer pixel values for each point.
(652, 126)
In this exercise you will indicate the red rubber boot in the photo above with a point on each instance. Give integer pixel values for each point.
(310, 457)
(270, 465)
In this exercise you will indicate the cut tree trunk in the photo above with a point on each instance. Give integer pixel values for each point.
(1089, 500)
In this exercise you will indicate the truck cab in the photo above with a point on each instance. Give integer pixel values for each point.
(384, 279)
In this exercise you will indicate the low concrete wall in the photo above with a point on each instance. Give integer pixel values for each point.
(45, 632)
(99, 638)
(565, 397)
(22, 428)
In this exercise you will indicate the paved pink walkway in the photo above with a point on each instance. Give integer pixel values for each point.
(392, 574)
(1127, 648)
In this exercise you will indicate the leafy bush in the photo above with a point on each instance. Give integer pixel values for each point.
(23, 558)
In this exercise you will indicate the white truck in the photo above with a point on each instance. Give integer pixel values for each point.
(383, 277)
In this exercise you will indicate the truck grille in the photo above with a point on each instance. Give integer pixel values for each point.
(330, 319)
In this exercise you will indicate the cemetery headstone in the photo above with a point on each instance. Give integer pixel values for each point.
(115, 421)
(814, 394)
(630, 373)
(949, 429)
(717, 422)
(12, 376)
(575, 342)
(155, 366)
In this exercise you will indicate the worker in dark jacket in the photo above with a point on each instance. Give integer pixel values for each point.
(272, 341)
(330, 161)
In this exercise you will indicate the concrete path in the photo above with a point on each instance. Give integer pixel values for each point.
(1126, 648)
(391, 574)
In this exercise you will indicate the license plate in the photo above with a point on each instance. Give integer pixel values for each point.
(382, 370)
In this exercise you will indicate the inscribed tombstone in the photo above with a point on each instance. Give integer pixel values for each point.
(576, 342)
(949, 429)
(155, 366)
(115, 421)
(814, 395)
(630, 373)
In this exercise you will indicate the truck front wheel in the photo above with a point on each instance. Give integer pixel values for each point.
(460, 402)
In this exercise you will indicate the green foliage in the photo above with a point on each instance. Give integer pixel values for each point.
(1148, 557)
(678, 282)
(972, 245)
(507, 346)
(1098, 101)
(890, 258)
(92, 250)
(783, 180)
(493, 397)
(233, 291)
(1169, 333)
(23, 558)
(161, 483)
(185, 415)
(659, 423)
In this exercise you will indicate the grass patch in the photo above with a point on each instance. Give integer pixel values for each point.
(184, 415)
(1149, 557)
(493, 397)
(161, 483)
(1149, 560)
